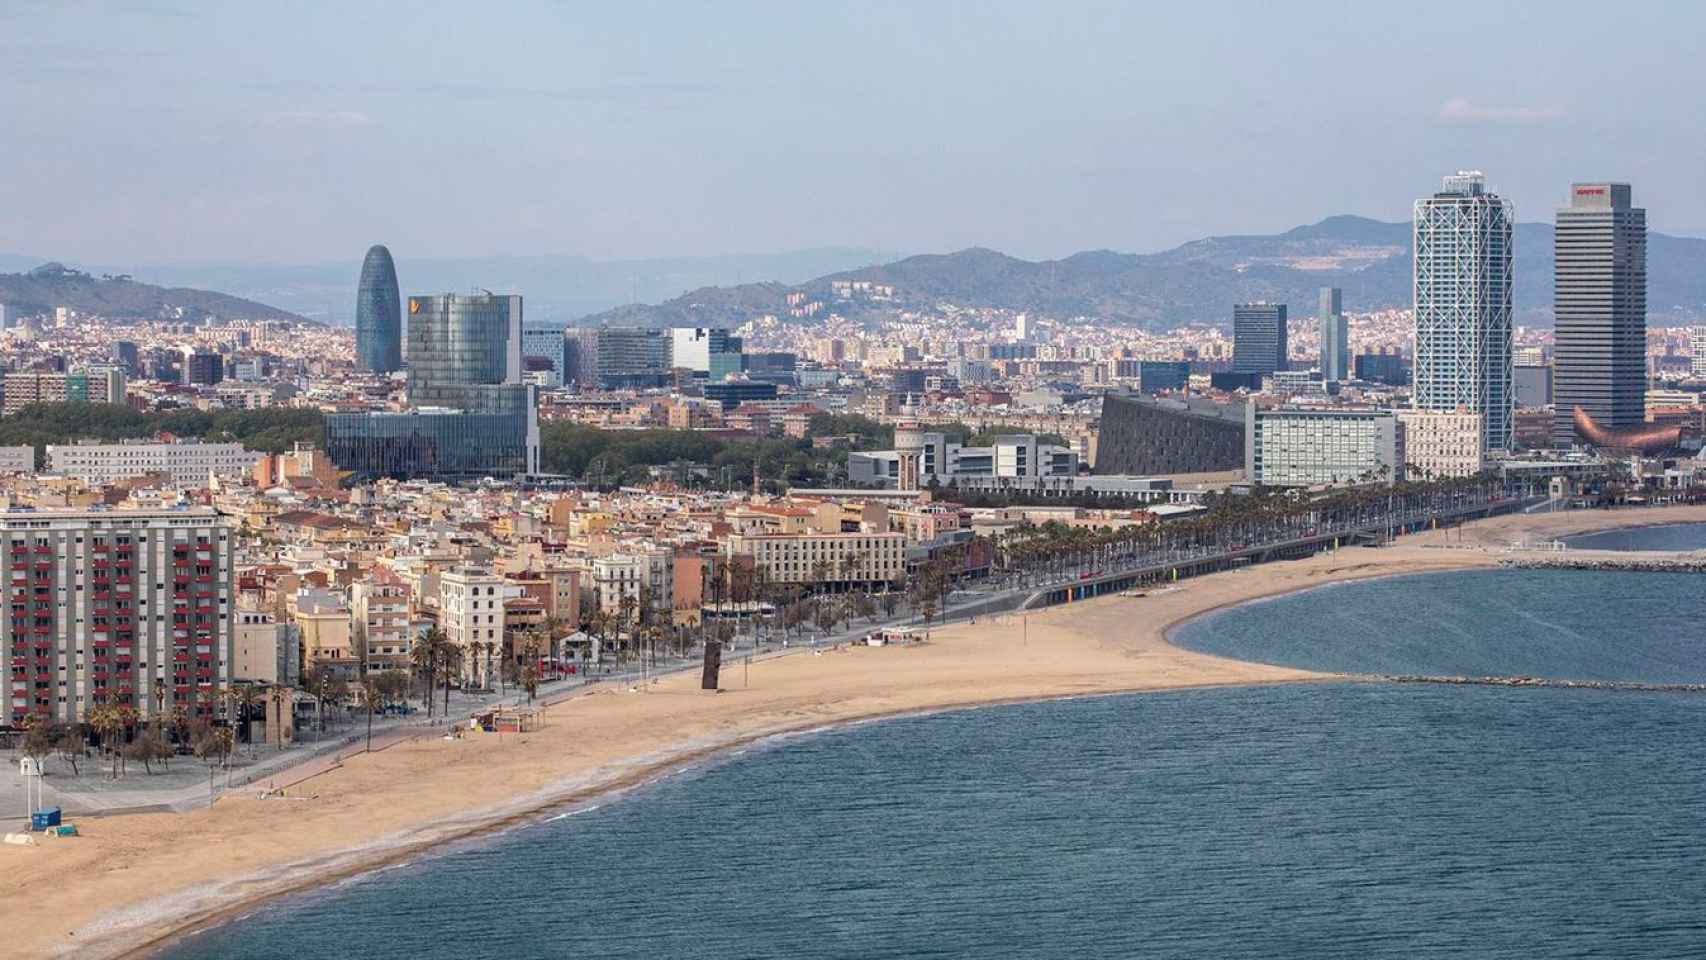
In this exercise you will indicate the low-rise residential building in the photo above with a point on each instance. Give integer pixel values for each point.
(265, 650)
(639, 576)
(379, 611)
(830, 559)
(323, 617)
(188, 463)
(18, 459)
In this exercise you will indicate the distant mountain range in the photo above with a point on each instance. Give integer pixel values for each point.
(557, 289)
(1199, 281)
(1196, 282)
(118, 296)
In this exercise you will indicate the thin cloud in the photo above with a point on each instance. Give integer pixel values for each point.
(332, 119)
(1466, 111)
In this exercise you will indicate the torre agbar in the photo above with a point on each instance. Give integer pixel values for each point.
(118, 607)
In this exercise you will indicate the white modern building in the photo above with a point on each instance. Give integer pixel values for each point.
(1321, 446)
(17, 459)
(920, 458)
(642, 575)
(691, 347)
(1462, 285)
(1440, 443)
(471, 614)
(189, 463)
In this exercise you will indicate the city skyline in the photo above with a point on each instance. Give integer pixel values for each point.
(306, 135)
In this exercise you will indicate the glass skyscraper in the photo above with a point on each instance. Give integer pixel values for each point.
(1259, 338)
(547, 343)
(1335, 337)
(1600, 340)
(378, 314)
(457, 341)
(473, 416)
(1462, 284)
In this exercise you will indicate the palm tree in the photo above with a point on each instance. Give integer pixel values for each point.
(314, 684)
(531, 649)
(426, 654)
(278, 695)
(110, 722)
(625, 608)
(452, 663)
(241, 700)
(370, 697)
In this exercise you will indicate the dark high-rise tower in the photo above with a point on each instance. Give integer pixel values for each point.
(1258, 338)
(378, 314)
(1600, 304)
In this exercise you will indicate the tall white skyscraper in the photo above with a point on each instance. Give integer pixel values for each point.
(1462, 283)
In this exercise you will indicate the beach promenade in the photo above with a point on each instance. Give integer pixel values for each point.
(134, 880)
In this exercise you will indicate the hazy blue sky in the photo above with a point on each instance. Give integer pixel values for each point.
(168, 132)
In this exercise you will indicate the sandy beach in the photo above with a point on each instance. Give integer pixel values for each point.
(132, 882)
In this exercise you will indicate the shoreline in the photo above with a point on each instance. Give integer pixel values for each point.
(629, 784)
(261, 852)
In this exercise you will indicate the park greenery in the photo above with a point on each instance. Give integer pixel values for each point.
(596, 456)
(272, 429)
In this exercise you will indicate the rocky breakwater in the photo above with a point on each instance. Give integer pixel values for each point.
(1629, 685)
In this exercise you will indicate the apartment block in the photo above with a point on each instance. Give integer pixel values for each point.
(121, 606)
(188, 463)
(1443, 443)
(822, 559)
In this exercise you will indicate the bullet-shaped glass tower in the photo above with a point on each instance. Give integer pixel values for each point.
(378, 314)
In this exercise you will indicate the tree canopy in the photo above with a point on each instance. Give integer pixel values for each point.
(272, 429)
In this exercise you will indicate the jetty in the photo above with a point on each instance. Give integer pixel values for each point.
(1633, 686)
(1629, 561)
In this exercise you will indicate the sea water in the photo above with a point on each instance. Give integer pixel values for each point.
(1300, 821)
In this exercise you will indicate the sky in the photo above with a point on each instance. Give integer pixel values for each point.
(170, 132)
